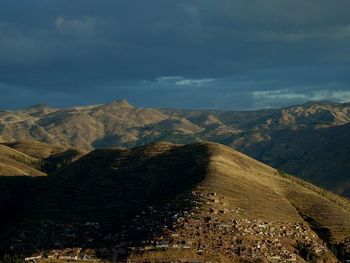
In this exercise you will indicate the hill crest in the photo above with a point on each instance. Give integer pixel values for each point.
(137, 192)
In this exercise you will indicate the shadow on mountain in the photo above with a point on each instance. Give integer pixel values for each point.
(14, 192)
(300, 152)
(108, 201)
(60, 160)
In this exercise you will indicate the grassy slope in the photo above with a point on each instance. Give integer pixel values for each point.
(109, 185)
(263, 193)
(36, 149)
(321, 156)
(46, 157)
(13, 162)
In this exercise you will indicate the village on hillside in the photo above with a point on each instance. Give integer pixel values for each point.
(209, 227)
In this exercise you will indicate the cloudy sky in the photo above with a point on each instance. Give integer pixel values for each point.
(224, 54)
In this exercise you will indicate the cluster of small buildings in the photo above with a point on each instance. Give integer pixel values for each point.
(203, 223)
(67, 254)
(216, 228)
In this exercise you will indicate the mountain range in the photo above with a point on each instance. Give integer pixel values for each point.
(310, 141)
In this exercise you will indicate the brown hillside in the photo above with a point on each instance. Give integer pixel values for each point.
(13, 162)
(116, 188)
(36, 149)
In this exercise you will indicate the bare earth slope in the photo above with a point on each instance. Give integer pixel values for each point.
(166, 202)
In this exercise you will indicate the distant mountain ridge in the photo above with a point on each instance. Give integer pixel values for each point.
(290, 138)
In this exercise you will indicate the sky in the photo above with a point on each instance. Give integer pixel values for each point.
(221, 54)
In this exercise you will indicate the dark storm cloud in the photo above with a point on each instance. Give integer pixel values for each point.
(84, 51)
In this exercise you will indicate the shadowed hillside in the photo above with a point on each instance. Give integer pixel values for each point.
(321, 156)
(163, 202)
(35, 158)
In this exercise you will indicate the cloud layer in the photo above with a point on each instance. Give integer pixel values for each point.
(195, 53)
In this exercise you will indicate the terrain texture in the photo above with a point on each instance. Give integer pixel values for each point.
(170, 203)
(310, 141)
